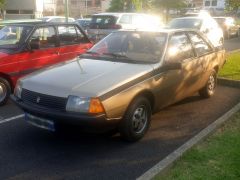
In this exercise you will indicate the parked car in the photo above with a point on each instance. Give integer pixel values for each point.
(56, 19)
(84, 23)
(119, 85)
(205, 24)
(27, 47)
(104, 23)
(229, 26)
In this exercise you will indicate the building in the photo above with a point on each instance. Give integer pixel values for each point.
(215, 4)
(80, 8)
(27, 9)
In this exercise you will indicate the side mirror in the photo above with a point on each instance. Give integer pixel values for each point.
(34, 44)
(172, 66)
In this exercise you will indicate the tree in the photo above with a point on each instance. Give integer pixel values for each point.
(130, 5)
(170, 4)
(232, 4)
(117, 6)
(2, 6)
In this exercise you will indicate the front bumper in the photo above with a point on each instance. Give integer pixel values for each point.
(97, 122)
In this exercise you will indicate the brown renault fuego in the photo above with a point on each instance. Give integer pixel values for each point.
(122, 81)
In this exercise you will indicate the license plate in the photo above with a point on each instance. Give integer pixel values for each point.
(40, 122)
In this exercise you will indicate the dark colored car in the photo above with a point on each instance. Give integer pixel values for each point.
(84, 23)
(120, 85)
(229, 26)
(27, 47)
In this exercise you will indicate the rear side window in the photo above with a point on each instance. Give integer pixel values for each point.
(67, 35)
(45, 37)
(200, 45)
(103, 22)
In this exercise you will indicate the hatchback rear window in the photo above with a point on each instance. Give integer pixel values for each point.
(185, 23)
(103, 22)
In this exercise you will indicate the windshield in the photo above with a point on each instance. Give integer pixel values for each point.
(135, 47)
(12, 35)
(103, 22)
(185, 23)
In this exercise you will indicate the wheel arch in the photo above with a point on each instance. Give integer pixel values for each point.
(7, 77)
(147, 94)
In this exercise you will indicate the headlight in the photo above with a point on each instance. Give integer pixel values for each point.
(18, 90)
(84, 105)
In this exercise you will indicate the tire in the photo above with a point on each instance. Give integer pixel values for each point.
(238, 33)
(227, 35)
(209, 89)
(5, 90)
(136, 120)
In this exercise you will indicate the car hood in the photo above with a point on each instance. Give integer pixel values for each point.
(84, 77)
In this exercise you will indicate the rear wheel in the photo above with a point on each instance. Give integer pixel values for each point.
(209, 89)
(5, 91)
(136, 121)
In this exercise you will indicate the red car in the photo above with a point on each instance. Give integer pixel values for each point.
(27, 47)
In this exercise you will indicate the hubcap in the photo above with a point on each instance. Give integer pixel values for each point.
(3, 92)
(139, 119)
(211, 83)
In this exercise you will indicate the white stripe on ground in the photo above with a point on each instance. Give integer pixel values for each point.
(171, 158)
(11, 118)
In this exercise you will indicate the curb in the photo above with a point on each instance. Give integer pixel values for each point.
(160, 167)
(236, 50)
(227, 82)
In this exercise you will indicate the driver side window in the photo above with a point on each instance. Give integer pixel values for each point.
(179, 48)
(44, 37)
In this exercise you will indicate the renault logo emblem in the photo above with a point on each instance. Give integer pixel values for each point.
(38, 99)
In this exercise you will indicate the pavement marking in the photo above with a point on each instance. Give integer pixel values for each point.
(11, 118)
(171, 158)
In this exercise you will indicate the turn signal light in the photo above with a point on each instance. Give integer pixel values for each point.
(95, 106)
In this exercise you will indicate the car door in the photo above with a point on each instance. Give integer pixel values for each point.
(44, 51)
(205, 55)
(173, 84)
(72, 42)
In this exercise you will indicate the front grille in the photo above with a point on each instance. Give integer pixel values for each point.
(43, 100)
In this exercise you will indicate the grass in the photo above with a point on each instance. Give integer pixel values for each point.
(216, 158)
(231, 69)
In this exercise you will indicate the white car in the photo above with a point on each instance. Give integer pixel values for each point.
(103, 24)
(205, 24)
(56, 19)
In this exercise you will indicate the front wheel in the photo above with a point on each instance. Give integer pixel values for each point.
(209, 89)
(136, 121)
(5, 91)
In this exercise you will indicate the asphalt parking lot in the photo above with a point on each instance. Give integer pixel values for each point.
(31, 153)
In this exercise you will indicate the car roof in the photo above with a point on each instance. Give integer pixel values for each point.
(56, 17)
(116, 14)
(168, 31)
(189, 17)
(42, 23)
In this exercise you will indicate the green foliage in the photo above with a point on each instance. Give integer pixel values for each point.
(231, 69)
(232, 4)
(170, 4)
(130, 5)
(116, 6)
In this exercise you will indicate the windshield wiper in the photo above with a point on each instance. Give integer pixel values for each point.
(91, 52)
(116, 55)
